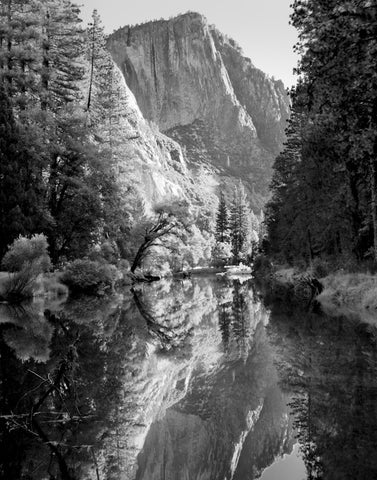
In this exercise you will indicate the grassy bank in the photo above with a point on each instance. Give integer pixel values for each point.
(349, 293)
(340, 293)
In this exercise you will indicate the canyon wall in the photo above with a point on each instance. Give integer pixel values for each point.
(196, 86)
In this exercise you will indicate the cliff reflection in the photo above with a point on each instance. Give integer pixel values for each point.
(171, 380)
(230, 403)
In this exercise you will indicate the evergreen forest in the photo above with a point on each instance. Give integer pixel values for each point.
(323, 203)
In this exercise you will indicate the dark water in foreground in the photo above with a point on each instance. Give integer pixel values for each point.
(192, 380)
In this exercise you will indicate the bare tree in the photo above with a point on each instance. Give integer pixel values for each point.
(169, 222)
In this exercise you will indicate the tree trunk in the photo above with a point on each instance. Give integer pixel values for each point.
(139, 256)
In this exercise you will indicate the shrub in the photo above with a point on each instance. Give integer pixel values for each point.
(25, 259)
(106, 252)
(18, 286)
(124, 266)
(27, 252)
(221, 254)
(89, 276)
(110, 252)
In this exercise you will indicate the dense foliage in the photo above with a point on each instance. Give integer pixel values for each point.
(237, 229)
(89, 276)
(54, 177)
(25, 260)
(324, 183)
(26, 251)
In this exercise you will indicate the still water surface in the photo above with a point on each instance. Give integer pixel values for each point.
(186, 380)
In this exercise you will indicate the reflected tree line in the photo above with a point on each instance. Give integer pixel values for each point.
(234, 318)
(71, 375)
(329, 366)
(67, 372)
(58, 416)
(171, 322)
(198, 435)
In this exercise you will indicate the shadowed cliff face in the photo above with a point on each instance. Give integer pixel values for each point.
(195, 84)
(264, 99)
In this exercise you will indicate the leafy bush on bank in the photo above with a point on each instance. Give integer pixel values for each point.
(25, 260)
(28, 252)
(355, 291)
(89, 276)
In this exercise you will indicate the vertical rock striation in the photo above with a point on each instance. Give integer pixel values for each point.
(198, 88)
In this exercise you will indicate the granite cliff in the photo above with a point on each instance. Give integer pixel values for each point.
(151, 161)
(151, 167)
(196, 86)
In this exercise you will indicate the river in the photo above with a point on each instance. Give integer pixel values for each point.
(186, 380)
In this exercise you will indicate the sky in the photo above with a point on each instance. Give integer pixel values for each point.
(260, 27)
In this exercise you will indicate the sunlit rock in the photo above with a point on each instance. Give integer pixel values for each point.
(197, 87)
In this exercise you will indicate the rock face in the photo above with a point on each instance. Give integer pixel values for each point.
(198, 88)
(154, 161)
(151, 167)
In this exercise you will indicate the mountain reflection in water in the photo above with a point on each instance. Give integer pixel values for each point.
(185, 380)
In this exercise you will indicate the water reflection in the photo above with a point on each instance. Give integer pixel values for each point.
(29, 333)
(329, 365)
(184, 380)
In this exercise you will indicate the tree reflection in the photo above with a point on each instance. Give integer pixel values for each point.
(57, 415)
(330, 366)
(202, 435)
(224, 323)
(179, 371)
(169, 336)
(240, 318)
(237, 316)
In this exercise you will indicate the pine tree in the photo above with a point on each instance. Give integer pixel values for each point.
(63, 54)
(73, 137)
(239, 223)
(41, 52)
(43, 65)
(98, 57)
(222, 220)
(22, 191)
(20, 56)
(326, 203)
(103, 104)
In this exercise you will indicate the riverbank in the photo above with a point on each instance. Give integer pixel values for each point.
(339, 293)
(286, 284)
(46, 285)
(349, 293)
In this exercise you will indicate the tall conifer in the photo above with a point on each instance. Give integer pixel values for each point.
(239, 223)
(222, 220)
